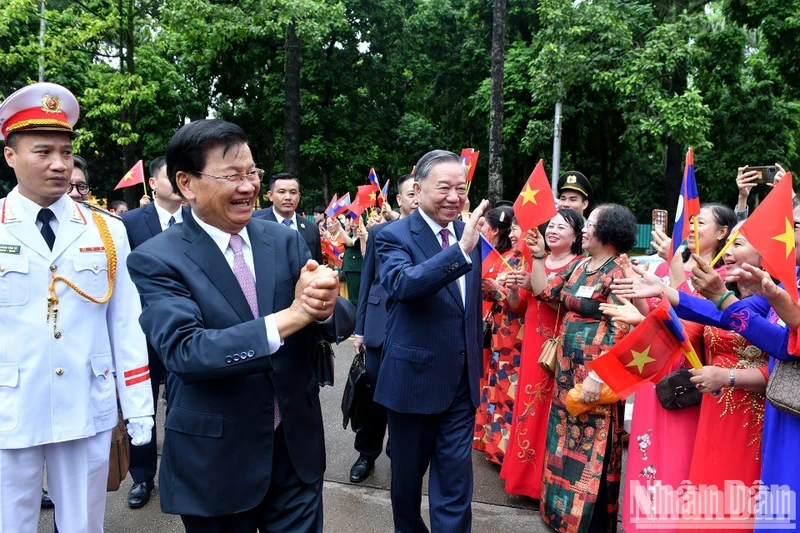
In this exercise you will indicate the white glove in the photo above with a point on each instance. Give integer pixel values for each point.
(140, 429)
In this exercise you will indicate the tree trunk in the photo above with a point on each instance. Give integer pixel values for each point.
(291, 124)
(326, 173)
(496, 105)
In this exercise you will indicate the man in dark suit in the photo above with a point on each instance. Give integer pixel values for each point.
(142, 224)
(432, 360)
(370, 332)
(230, 304)
(284, 193)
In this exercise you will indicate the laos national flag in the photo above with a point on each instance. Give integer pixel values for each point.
(332, 206)
(491, 260)
(688, 205)
(373, 179)
(341, 205)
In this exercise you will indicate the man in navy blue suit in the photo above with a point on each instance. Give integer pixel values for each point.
(284, 193)
(370, 332)
(143, 224)
(230, 303)
(432, 360)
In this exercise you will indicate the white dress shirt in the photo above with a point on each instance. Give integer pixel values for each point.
(164, 215)
(280, 219)
(62, 209)
(436, 228)
(222, 240)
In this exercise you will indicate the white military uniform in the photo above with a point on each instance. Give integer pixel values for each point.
(57, 394)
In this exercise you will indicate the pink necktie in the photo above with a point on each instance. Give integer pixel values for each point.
(248, 284)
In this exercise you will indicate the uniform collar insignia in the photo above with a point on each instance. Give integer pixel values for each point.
(7, 214)
(77, 215)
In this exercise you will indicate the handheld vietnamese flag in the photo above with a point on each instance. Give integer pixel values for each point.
(688, 206)
(469, 157)
(770, 230)
(367, 195)
(535, 202)
(645, 354)
(134, 176)
(332, 205)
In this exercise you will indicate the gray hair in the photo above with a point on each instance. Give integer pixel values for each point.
(431, 159)
(80, 164)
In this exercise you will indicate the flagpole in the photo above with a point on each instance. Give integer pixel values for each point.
(696, 236)
(724, 248)
(144, 184)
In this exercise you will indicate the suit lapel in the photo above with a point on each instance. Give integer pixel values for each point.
(151, 217)
(269, 215)
(206, 255)
(429, 244)
(264, 262)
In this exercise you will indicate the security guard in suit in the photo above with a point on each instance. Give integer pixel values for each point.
(574, 191)
(69, 316)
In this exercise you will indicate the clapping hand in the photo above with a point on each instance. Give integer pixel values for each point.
(625, 312)
(753, 280)
(644, 285)
(472, 230)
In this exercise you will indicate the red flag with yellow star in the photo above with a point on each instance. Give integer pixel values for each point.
(535, 203)
(134, 176)
(770, 229)
(470, 159)
(645, 354)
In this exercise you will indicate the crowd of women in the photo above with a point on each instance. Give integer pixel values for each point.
(579, 287)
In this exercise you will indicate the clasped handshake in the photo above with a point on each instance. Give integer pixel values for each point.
(315, 292)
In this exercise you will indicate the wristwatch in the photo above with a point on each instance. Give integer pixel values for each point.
(732, 375)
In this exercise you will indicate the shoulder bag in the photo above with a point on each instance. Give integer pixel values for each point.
(783, 387)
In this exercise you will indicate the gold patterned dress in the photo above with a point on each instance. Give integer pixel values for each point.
(728, 443)
(583, 456)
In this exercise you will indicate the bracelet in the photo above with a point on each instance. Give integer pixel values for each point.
(539, 256)
(595, 377)
(732, 376)
(722, 300)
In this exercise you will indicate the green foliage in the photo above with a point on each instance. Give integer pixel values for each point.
(384, 81)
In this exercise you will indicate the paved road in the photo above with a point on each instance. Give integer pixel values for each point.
(363, 508)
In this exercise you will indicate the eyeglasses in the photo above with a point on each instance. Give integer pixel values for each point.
(82, 187)
(252, 176)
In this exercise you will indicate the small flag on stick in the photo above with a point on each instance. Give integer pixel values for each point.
(134, 176)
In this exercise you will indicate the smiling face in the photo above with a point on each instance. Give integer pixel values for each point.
(590, 242)
(285, 197)
(739, 253)
(218, 202)
(515, 234)
(442, 192)
(559, 234)
(42, 162)
(710, 234)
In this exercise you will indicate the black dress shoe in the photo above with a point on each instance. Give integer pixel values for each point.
(361, 469)
(47, 503)
(140, 494)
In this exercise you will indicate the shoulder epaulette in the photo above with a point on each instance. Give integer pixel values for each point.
(99, 209)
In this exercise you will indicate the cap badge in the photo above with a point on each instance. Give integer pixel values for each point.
(572, 179)
(51, 104)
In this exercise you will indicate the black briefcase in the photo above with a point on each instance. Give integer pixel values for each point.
(354, 399)
(322, 360)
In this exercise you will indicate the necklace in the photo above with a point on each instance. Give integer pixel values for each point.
(592, 272)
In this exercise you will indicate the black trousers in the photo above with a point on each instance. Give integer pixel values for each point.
(289, 505)
(144, 459)
(369, 440)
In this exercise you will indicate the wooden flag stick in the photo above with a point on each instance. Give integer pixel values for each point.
(696, 235)
(724, 248)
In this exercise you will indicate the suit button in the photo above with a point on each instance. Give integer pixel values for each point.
(228, 359)
(463, 352)
(236, 357)
(251, 353)
(53, 268)
(59, 371)
(456, 265)
(57, 334)
(95, 267)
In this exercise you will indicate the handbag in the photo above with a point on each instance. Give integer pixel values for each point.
(676, 391)
(322, 361)
(354, 400)
(120, 458)
(783, 387)
(549, 355)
